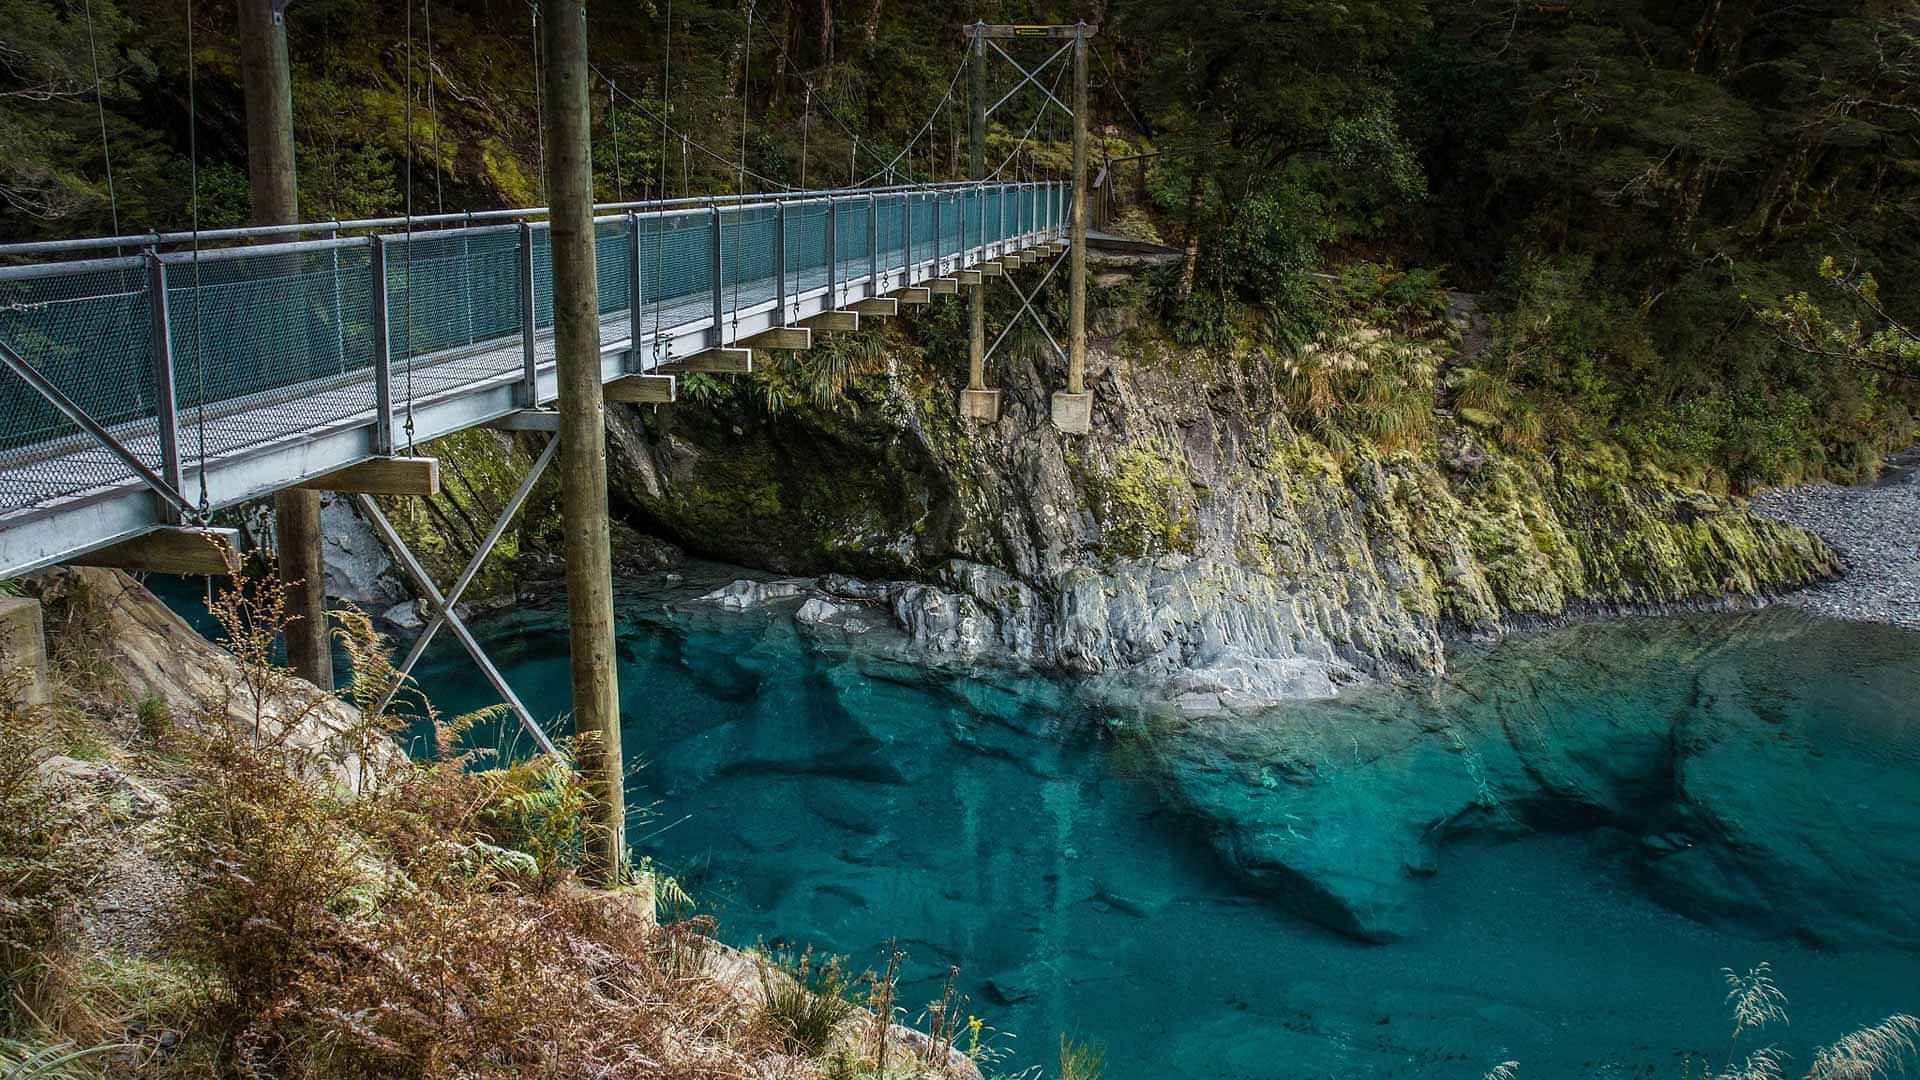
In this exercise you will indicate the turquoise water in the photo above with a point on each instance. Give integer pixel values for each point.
(1096, 874)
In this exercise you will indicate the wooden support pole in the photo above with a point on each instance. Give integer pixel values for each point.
(174, 550)
(1073, 407)
(832, 320)
(383, 476)
(583, 435)
(977, 168)
(266, 79)
(788, 338)
(642, 390)
(1077, 281)
(882, 306)
(711, 362)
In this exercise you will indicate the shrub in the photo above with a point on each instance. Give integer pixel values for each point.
(48, 859)
(806, 1002)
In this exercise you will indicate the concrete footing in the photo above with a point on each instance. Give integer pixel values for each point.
(982, 405)
(1073, 413)
(23, 652)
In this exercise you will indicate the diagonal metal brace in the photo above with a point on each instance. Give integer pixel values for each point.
(1029, 77)
(72, 410)
(1026, 308)
(472, 568)
(443, 608)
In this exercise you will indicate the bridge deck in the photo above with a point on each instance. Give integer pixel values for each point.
(272, 348)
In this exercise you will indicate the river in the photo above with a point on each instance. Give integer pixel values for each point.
(1691, 794)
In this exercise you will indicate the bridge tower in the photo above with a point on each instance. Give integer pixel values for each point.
(1072, 407)
(583, 441)
(267, 79)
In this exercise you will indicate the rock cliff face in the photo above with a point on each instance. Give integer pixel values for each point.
(1195, 542)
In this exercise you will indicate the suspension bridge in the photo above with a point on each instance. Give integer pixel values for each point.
(153, 380)
(141, 381)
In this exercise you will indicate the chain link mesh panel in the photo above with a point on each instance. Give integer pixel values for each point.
(270, 343)
(806, 247)
(87, 330)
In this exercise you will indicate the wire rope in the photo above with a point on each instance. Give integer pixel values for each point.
(433, 116)
(408, 120)
(199, 352)
(100, 108)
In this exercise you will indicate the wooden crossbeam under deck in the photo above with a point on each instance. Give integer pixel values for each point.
(990, 268)
(876, 305)
(181, 550)
(711, 362)
(791, 338)
(913, 294)
(383, 476)
(944, 286)
(833, 320)
(967, 277)
(642, 390)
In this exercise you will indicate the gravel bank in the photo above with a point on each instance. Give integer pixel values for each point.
(1877, 530)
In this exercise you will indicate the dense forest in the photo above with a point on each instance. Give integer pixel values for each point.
(1695, 227)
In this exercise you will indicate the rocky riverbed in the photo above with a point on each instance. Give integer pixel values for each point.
(1875, 528)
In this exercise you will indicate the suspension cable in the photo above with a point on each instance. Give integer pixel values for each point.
(199, 350)
(613, 121)
(100, 107)
(925, 129)
(806, 121)
(408, 120)
(539, 101)
(433, 116)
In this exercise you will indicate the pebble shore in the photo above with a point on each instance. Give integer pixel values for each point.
(1876, 528)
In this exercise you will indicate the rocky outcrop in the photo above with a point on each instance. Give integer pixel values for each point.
(153, 653)
(1195, 542)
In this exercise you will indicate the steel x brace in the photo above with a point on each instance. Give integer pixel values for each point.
(443, 613)
(1026, 308)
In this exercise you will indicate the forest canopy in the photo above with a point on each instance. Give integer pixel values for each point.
(1642, 194)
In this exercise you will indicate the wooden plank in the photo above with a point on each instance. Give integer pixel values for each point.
(383, 476)
(967, 277)
(791, 338)
(913, 294)
(876, 305)
(711, 362)
(990, 268)
(183, 550)
(944, 286)
(833, 320)
(1024, 31)
(642, 390)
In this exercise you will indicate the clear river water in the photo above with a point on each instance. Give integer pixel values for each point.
(1547, 858)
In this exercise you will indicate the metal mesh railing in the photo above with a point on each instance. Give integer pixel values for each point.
(271, 341)
(279, 340)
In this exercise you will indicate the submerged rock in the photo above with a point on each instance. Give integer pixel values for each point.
(1752, 805)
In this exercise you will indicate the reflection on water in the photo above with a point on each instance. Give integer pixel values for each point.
(1179, 895)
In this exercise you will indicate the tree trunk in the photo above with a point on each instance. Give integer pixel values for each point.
(873, 21)
(826, 33)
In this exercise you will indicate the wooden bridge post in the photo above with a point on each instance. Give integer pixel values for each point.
(976, 401)
(1073, 407)
(267, 81)
(583, 447)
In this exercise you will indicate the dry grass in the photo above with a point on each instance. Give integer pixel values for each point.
(349, 913)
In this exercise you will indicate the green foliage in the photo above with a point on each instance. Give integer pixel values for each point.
(1081, 1060)
(540, 806)
(806, 1002)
